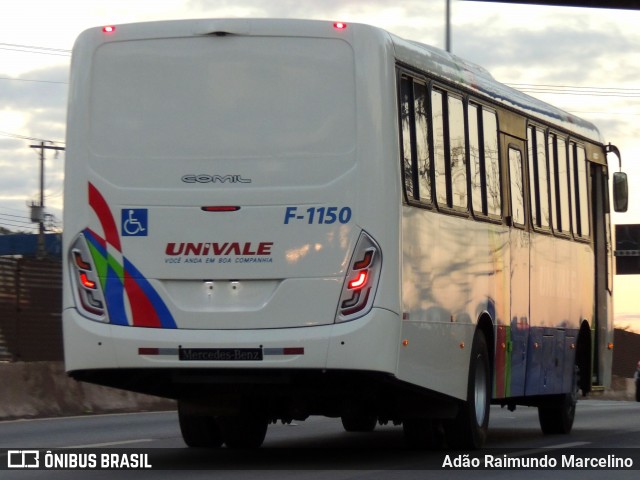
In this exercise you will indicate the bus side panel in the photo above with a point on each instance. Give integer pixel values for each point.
(562, 286)
(453, 271)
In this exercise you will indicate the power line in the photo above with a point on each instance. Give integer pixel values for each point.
(576, 112)
(35, 48)
(14, 216)
(13, 47)
(577, 90)
(14, 225)
(25, 137)
(567, 86)
(10, 208)
(24, 226)
(32, 80)
(40, 53)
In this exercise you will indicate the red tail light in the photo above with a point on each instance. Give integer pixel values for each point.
(80, 263)
(84, 280)
(86, 287)
(361, 281)
(358, 282)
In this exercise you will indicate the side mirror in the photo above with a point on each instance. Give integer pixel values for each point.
(620, 192)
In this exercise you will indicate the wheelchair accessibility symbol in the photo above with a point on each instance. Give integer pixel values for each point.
(134, 222)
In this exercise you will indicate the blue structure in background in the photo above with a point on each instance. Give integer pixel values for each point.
(27, 244)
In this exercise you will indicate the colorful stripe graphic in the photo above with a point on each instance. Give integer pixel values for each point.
(502, 376)
(121, 281)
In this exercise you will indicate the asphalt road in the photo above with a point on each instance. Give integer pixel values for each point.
(319, 447)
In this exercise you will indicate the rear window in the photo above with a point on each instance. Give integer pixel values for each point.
(223, 97)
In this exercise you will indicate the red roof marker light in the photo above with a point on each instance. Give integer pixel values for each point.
(339, 25)
(109, 29)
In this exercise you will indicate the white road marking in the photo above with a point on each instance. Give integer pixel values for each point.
(110, 444)
(535, 451)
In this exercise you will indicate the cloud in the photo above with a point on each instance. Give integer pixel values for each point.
(26, 95)
(42, 108)
(311, 8)
(557, 54)
(406, 18)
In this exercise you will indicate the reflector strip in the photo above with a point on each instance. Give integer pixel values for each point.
(148, 351)
(152, 351)
(283, 351)
(293, 351)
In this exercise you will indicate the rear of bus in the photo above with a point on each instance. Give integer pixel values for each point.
(231, 199)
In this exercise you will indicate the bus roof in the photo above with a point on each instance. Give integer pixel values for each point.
(469, 76)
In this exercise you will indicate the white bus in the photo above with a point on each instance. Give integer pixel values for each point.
(272, 219)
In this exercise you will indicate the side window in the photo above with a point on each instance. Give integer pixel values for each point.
(538, 179)
(423, 160)
(553, 181)
(407, 127)
(573, 198)
(439, 154)
(491, 162)
(475, 158)
(583, 192)
(416, 163)
(542, 176)
(457, 152)
(564, 222)
(484, 161)
(517, 186)
(531, 142)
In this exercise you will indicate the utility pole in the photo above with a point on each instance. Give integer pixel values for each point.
(39, 217)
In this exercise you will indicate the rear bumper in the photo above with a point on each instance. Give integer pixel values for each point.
(369, 344)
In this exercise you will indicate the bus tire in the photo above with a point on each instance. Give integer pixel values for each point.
(198, 430)
(558, 418)
(359, 422)
(244, 431)
(468, 430)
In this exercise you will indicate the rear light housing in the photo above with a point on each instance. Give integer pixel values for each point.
(87, 290)
(361, 281)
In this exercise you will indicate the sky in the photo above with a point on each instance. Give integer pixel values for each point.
(585, 61)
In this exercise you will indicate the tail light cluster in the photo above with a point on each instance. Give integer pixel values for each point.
(359, 289)
(86, 286)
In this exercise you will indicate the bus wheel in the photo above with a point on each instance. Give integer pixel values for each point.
(198, 430)
(558, 418)
(244, 431)
(422, 433)
(364, 422)
(468, 430)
